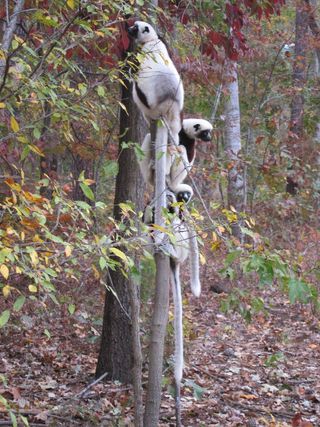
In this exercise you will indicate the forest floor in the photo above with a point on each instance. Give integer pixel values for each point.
(263, 373)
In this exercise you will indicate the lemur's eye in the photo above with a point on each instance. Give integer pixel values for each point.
(146, 30)
(196, 127)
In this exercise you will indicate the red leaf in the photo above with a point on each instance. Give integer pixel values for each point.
(124, 39)
(216, 37)
(297, 421)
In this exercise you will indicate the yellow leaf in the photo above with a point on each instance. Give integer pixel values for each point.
(68, 250)
(160, 228)
(88, 181)
(36, 238)
(252, 220)
(22, 235)
(18, 270)
(221, 229)
(119, 254)
(22, 139)
(14, 199)
(4, 270)
(9, 231)
(14, 124)
(71, 4)
(32, 288)
(2, 105)
(36, 149)
(95, 272)
(202, 259)
(6, 291)
(34, 257)
(215, 245)
(123, 107)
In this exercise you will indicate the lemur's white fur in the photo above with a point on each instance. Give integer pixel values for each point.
(185, 244)
(194, 127)
(194, 263)
(157, 80)
(178, 163)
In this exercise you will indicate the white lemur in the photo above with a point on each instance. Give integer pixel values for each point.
(178, 163)
(185, 244)
(157, 87)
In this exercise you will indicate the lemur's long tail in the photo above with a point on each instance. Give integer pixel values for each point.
(194, 263)
(178, 328)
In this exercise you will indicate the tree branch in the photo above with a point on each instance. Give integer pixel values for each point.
(8, 34)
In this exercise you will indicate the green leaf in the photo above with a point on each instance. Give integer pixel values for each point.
(54, 298)
(47, 333)
(100, 90)
(273, 359)
(95, 125)
(83, 205)
(100, 205)
(232, 256)
(298, 291)
(87, 191)
(24, 420)
(4, 317)
(13, 419)
(18, 304)
(36, 133)
(3, 401)
(54, 238)
(110, 168)
(71, 308)
(102, 263)
(25, 152)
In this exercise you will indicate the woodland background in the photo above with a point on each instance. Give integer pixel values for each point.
(71, 201)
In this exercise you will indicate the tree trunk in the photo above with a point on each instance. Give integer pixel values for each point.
(299, 76)
(161, 298)
(233, 145)
(116, 351)
(7, 37)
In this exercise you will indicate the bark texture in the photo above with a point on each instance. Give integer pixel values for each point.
(233, 144)
(8, 33)
(299, 73)
(299, 77)
(116, 351)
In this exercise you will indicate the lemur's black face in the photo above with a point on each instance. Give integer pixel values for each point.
(133, 31)
(204, 135)
(183, 196)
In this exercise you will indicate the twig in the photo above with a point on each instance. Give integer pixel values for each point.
(216, 104)
(92, 384)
